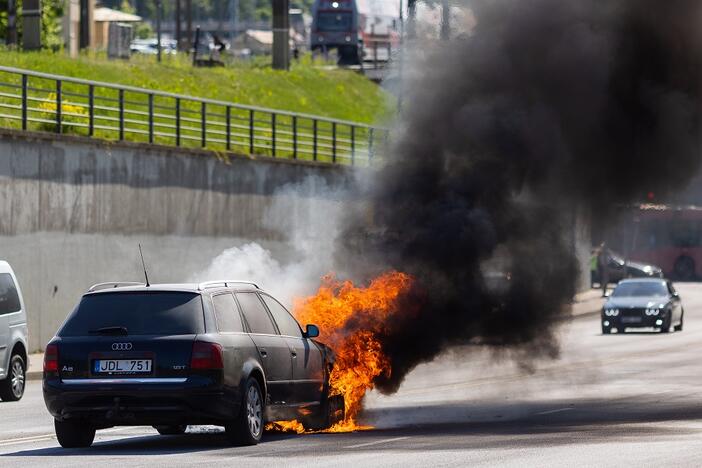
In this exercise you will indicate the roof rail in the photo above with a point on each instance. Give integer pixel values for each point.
(113, 284)
(224, 283)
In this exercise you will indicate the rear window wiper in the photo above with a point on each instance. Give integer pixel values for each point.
(115, 330)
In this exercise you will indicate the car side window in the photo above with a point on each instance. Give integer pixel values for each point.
(286, 323)
(9, 299)
(256, 314)
(227, 314)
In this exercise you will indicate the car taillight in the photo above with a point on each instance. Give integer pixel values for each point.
(51, 358)
(207, 356)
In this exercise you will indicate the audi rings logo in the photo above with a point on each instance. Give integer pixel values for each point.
(121, 346)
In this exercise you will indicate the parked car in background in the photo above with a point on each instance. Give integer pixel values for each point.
(221, 353)
(643, 303)
(150, 46)
(13, 336)
(620, 269)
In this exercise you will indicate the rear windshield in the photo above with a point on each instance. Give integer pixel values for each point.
(161, 313)
(642, 289)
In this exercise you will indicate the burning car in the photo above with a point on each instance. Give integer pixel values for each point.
(643, 303)
(221, 353)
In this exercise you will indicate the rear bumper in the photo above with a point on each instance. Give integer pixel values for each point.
(159, 401)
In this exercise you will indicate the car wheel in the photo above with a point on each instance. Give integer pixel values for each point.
(665, 328)
(331, 411)
(247, 429)
(606, 330)
(684, 268)
(74, 434)
(172, 430)
(679, 327)
(12, 388)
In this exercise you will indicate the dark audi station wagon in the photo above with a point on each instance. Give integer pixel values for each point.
(219, 353)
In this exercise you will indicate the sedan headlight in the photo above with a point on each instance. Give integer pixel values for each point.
(611, 312)
(653, 312)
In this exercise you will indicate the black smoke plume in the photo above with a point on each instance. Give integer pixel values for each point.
(547, 109)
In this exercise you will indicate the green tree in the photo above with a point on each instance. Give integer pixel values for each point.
(51, 13)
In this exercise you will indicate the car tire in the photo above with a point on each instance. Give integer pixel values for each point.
(176, 429)
(74, 433)
(247, 428)
(679, 327)
(606, 330)
(331, 411)
(12, 387)
(665, 328)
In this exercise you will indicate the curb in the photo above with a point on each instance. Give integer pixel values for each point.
(34, 375)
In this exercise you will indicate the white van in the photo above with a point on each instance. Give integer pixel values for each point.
(13, 336)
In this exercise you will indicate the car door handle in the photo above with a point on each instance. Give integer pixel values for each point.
(294, 353)
(263, 352)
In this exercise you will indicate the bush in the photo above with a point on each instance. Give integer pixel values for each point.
(73, 116)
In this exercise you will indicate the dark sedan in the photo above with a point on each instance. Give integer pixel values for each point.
(643, 303)
(222, 353)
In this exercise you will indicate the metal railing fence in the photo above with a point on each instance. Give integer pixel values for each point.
(40, 101)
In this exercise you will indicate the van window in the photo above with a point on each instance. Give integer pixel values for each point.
(256, 315)
(151, 313)
(227, 313)
(9, 299)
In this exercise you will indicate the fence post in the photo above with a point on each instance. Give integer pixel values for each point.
(370, 143)
(251, 131)
(121, 114)
(151, 118)
(24, 102)
(334, 142)
(203, 123)
(314, 139)
(58, 106)
(294, 129)
(273, 133)
(353, 145)
(229, 128)
(91, 110)
(177, 116)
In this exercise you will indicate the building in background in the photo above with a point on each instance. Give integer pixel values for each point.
(102, 18)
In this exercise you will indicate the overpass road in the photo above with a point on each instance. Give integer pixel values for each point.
(614, 400)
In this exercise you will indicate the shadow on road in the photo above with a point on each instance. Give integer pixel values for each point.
(481, 425)
(149, 445)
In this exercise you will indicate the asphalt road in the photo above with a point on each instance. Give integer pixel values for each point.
(613, 400)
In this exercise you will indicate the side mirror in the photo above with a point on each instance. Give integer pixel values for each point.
(608, 294)
(676, 295)
(311, 331)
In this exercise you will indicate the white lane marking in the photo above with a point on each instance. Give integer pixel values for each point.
(368, 444)
(554, 411)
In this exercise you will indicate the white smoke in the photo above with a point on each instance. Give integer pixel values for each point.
(308, 216)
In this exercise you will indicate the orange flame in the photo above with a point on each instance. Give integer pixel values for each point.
(286, 426)
(350, 319)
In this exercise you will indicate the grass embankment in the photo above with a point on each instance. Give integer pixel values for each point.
(339, 94)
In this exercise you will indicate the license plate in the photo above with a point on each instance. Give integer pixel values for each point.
(631, 319)
(122, 366)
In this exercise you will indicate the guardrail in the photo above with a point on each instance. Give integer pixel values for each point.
(40, 101)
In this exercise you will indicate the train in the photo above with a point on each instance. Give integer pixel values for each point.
(356, 29)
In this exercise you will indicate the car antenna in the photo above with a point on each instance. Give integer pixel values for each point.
(146, 275)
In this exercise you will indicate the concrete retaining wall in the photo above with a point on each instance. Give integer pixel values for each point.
(72, 211)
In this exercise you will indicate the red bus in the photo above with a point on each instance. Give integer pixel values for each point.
(667, 236)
